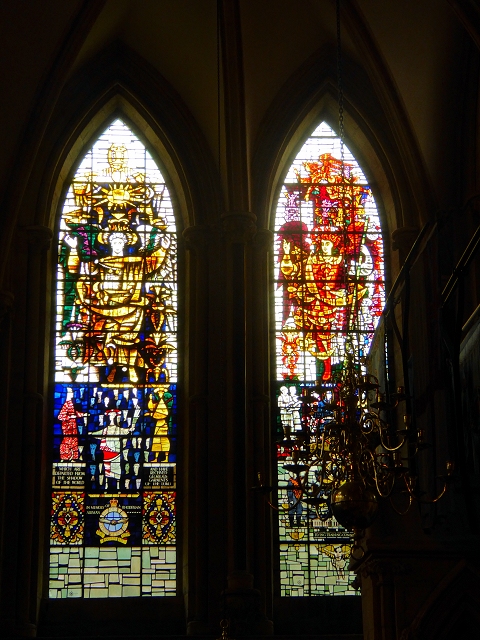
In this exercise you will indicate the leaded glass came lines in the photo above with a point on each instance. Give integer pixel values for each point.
(329, 295)
(115, 399)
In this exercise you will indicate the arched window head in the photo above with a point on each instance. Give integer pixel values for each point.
(112, 528)
(329, 295)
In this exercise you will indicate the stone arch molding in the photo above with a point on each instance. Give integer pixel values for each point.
(120, 84)
(359, 139)
(118, 107)
(377, 134)
(117, 84)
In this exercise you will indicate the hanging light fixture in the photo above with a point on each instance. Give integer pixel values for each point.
(352, 455)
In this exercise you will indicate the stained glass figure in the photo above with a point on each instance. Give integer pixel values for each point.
(329, 295)
(115, 397)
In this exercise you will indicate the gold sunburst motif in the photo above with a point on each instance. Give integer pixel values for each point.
(119, 195)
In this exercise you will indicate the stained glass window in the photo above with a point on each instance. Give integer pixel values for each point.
(112, 527)
(329, 295)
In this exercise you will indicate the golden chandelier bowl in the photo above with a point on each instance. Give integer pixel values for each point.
(354, 505)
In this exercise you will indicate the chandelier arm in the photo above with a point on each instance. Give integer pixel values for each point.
(440, 495)
(402, 513)
(417, 449)
(274, 507)
(353, 552)
(409, 486)
(323, 446)
(377, 485)
(358, 534)
(368, 418)
(366, 453)
(426, 501)
(323, 466)
(324, 518)
(321, 479)
(290, 506)
(342, 463)
(380, 492)
(392, 449)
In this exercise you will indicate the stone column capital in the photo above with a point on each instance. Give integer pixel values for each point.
(381, 569)
(264, 239)
(239, 226)
(39, 237)
(403, 238)
(196, 237)
(33, 397)
(198, 399)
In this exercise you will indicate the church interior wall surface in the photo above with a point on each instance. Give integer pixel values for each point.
(140, 387)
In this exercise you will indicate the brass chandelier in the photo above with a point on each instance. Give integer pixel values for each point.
(351, 457)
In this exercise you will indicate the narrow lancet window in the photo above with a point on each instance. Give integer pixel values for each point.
(329, 295)
(112, 528)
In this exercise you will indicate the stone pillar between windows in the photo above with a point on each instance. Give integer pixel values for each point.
(379, 596)
(239, 229)
(259, 460)
(195, 432)
(403, 239)
(7, 487)
(31, 492)
(243, 606)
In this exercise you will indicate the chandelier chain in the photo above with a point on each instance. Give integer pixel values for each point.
(340, 83)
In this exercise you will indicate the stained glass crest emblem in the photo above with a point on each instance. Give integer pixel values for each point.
(115, 396)
(329, 295)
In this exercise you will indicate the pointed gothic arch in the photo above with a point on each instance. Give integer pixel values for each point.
(329, 295)
(113, 521)
(122, 87)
